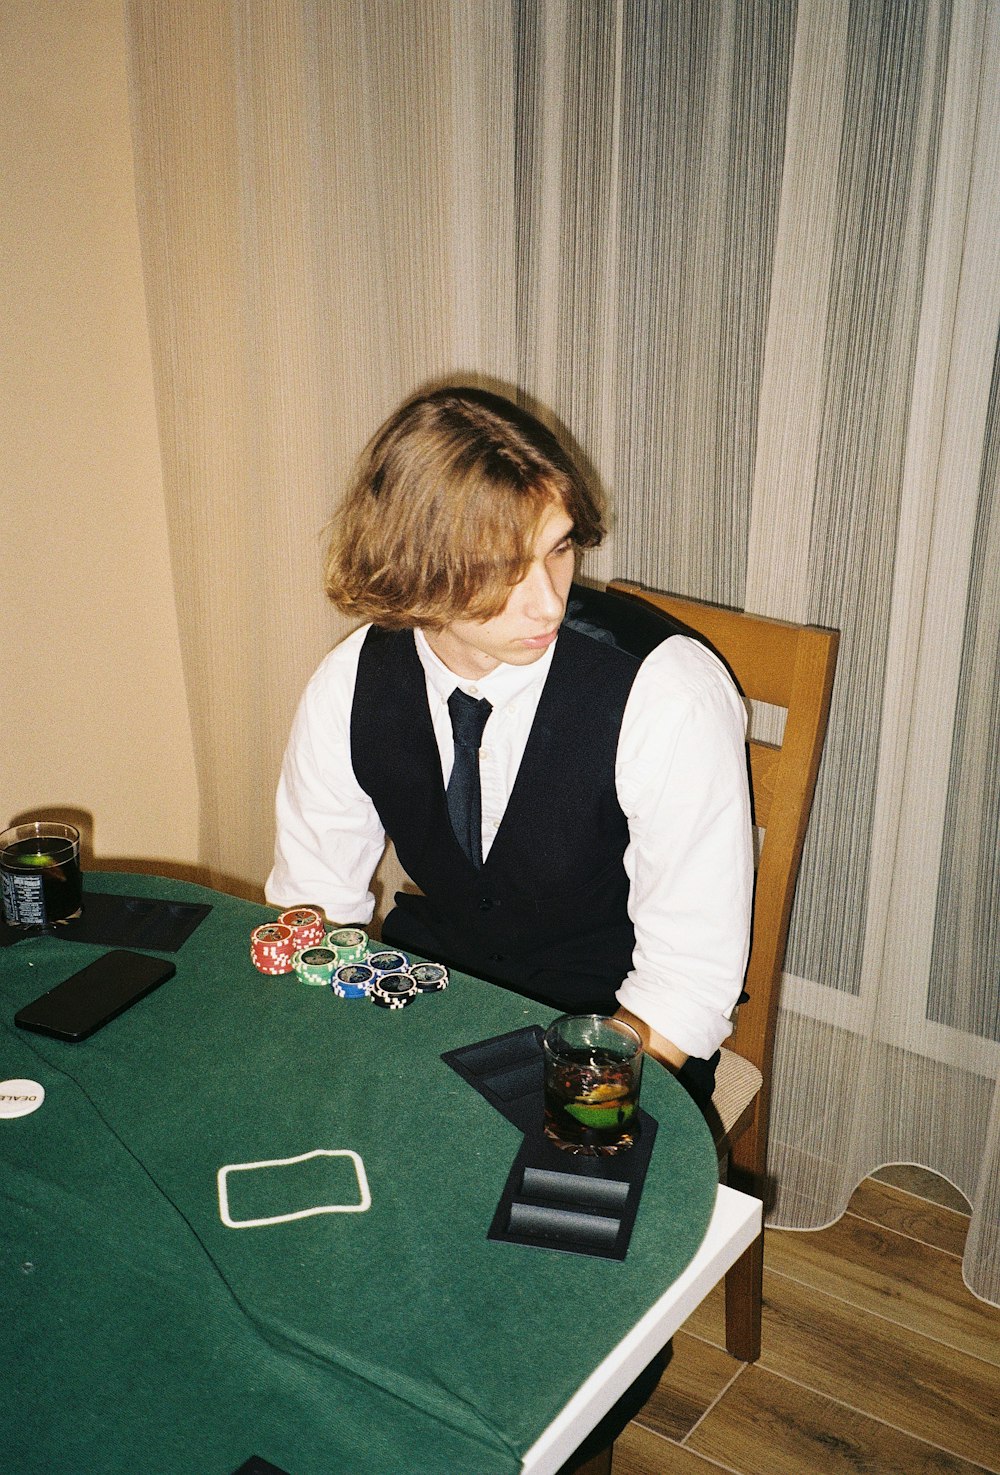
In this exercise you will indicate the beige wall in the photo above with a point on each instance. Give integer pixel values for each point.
(94, 711)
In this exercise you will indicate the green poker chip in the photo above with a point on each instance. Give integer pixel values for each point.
(349, 943)
(315, 965)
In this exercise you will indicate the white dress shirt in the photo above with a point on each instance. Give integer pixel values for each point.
(680, 777)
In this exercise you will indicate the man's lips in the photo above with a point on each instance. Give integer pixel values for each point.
(540, 642)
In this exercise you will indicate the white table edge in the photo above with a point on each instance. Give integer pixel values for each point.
(735, 1224)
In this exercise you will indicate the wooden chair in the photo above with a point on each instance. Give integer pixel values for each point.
(789, 666)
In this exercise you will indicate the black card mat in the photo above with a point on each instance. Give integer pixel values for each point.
(586, 1205)
(553, 1199)
(508, 1071)
(125, 921)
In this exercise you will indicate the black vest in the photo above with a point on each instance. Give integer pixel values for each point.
(547, 914)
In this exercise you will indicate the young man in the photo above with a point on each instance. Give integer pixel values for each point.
(597, 857)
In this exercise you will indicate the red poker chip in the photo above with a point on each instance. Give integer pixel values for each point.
(272, 948)
(307, 926)
(275, 934)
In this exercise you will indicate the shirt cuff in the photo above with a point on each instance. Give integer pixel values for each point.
(338, 907)
(695, 1028)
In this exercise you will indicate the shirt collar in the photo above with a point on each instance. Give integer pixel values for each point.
(500, 687)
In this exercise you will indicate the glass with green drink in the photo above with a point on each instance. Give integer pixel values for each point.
(40, 877)
(593, 1067)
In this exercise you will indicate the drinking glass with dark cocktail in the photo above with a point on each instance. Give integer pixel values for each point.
(593, 1067)
(40, 874)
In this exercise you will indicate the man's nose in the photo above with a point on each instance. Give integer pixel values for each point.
(544, 602)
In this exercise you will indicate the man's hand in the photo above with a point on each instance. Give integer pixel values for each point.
(655, 1044)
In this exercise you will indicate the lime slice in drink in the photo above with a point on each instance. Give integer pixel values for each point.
(601, 1114)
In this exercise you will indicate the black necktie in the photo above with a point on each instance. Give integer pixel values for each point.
(468, 718)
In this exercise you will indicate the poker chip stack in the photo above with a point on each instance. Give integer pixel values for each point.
(393, 990)
(315, 965)
(387, 960)
(352, 981)
(430, 978)
(299, 942)
(307, 926)
(272, 948)
(349, 943)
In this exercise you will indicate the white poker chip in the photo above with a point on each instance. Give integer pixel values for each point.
(20, 1098)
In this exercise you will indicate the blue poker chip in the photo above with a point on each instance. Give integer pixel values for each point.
(352, 981)
(430, 978)
(387, 961)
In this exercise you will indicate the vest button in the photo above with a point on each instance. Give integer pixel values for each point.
(487, 904)
(496, 957)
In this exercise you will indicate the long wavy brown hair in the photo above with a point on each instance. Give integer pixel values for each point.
(441, 512)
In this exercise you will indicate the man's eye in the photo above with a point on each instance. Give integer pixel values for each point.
(563, 547)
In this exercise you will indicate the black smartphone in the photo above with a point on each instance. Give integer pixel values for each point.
(78, 1006)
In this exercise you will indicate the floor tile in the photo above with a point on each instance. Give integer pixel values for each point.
(695, 1376)
(764, 1425)
(891, 1275)
(946, 1229)
(882, 1368)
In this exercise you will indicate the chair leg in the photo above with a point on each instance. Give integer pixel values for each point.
(745, 1279)
(599, 1464)
(744, 1294)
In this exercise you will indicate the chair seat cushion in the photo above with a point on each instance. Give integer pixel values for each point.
(736, 1084)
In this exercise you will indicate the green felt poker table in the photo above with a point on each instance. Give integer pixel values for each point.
(149, 1326)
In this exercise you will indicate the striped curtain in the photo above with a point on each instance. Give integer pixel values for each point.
(746, 254)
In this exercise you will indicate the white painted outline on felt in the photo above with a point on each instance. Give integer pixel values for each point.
(282, 1162)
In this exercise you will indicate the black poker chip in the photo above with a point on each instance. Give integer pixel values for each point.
(401, 1001)
(430, 978)
(393, 988)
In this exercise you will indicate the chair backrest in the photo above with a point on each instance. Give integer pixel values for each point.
(789, 666)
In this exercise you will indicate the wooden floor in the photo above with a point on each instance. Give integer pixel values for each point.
(876, 1358)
